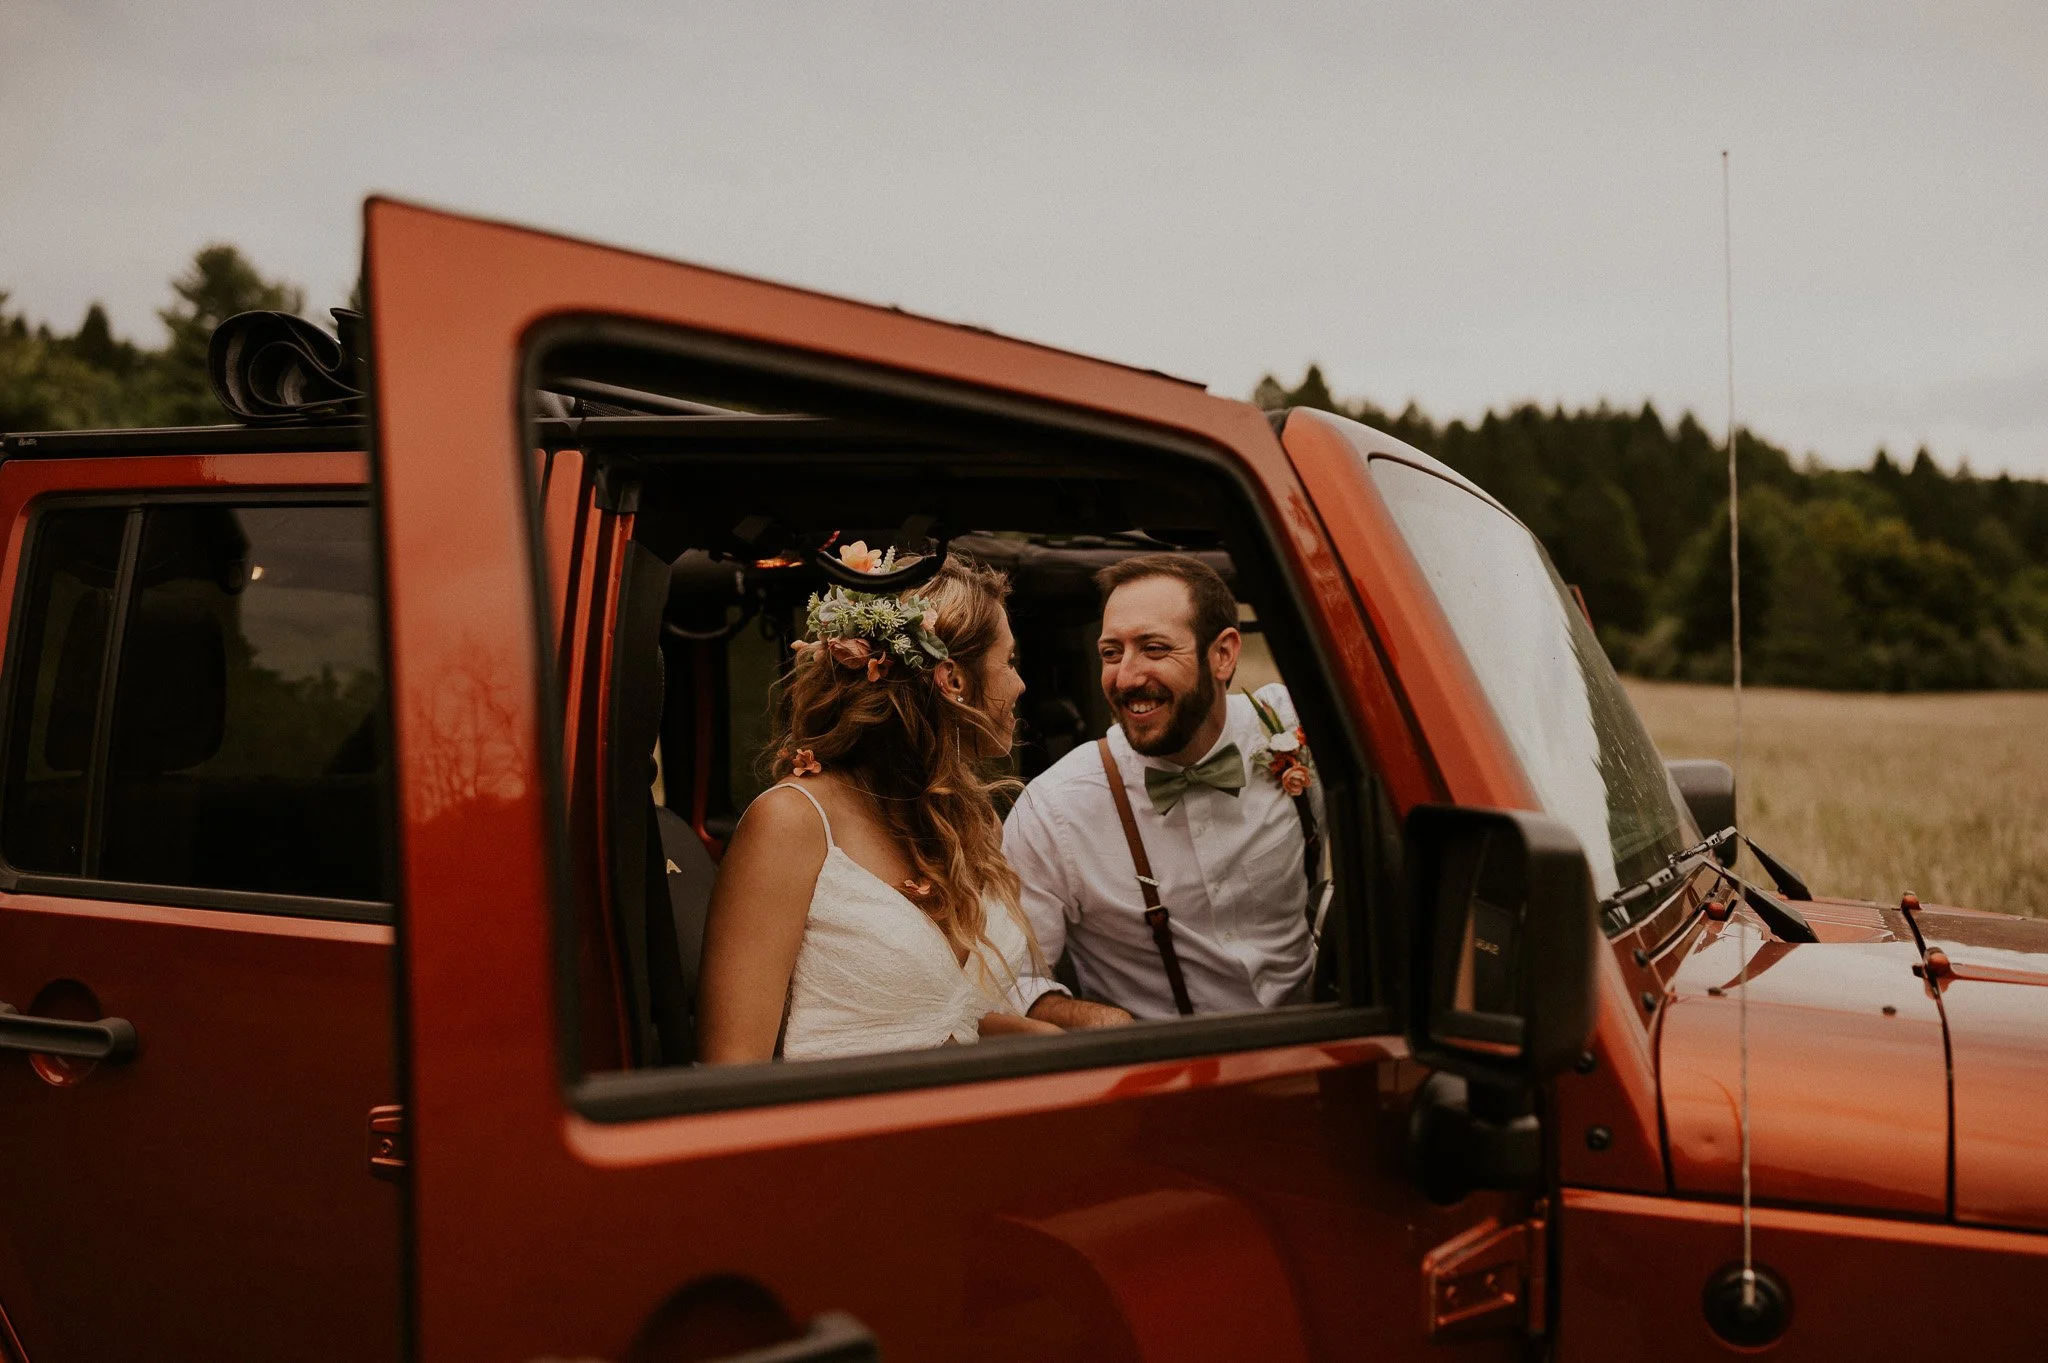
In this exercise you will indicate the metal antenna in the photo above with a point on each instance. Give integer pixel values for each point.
(1735, 612)
(1734, 502)
(1742, 1010)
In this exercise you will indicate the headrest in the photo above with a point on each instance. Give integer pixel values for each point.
(172, 714)
(702, 594)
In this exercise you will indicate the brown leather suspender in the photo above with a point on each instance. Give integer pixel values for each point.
(1311, 861)
(1156, 916)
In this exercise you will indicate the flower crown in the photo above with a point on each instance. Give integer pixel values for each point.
(869, 629)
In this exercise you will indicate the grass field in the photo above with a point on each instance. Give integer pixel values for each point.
(1868, 796)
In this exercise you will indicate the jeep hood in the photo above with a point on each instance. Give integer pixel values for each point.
(1850, 1056)
(1994, 997)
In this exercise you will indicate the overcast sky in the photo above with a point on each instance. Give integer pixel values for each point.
(1464, 204)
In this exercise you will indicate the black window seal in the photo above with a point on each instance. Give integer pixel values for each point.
(263, 902)
(643, 1095)
(103, 707)
(142, 499)
(550, 433)
(909, 402)
(88, 886)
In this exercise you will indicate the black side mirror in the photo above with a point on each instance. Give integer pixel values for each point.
(1708, 789)
(1505, 937)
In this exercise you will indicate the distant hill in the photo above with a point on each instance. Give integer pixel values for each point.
(1898, 577)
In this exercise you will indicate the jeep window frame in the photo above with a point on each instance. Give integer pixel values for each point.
(676, 360)
(136, 504)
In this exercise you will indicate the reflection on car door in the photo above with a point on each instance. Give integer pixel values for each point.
(1235, 1205)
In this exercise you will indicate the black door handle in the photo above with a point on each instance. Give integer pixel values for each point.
(833, 1337)
(109, 1039)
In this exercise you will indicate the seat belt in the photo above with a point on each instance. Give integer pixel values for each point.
(1156, 916)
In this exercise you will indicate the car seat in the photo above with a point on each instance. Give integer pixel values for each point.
(662, 871)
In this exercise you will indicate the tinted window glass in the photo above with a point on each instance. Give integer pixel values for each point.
(1578, 738)
(245, 750)
(66, 609)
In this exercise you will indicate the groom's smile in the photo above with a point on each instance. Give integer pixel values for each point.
(1147, 713)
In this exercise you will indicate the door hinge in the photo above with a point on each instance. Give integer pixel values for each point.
(387, 1142)
(1489, 1279)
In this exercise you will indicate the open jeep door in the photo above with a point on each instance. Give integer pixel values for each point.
(1222, 1187)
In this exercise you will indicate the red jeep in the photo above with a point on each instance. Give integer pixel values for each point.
(361, 788)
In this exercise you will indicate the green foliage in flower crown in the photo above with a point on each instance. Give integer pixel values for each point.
(899, 626)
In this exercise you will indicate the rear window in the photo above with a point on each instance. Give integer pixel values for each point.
(65, 615)
(239, 745)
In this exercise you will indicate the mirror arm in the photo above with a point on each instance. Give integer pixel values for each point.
(1469, 1134)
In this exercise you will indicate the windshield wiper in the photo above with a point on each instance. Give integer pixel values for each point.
(1784, 877)
(1787, 922)
(1676, 867)
(1784, 921)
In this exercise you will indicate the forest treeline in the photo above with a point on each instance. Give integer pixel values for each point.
(91, 378)
(1895, 577)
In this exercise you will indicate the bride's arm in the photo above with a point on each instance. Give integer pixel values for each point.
(754, 927)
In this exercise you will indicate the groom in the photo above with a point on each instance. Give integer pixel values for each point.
(1221, 839)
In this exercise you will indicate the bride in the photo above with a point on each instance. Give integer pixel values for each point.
(864, 904)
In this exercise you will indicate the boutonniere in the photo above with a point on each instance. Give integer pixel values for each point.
(1285, 756)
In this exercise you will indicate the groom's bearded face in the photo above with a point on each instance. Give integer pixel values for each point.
(1173, 716)
(1160, 684)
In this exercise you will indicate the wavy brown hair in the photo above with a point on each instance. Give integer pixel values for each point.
(927, 760)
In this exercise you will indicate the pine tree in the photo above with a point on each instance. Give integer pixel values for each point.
(96, 345)
(1312, 392)
(219, 284)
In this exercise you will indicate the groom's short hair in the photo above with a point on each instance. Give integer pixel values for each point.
(1212, 609)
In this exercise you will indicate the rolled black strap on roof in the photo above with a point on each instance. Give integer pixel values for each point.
(273, 368)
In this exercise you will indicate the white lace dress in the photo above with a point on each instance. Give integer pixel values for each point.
(874, 974)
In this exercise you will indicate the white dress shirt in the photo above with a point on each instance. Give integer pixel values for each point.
(1229, 872)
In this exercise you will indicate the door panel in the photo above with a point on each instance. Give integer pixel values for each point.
(1108, 1212)
(1255, 1196)
(210, 1198)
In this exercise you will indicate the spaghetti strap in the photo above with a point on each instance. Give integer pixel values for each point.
(791, 785)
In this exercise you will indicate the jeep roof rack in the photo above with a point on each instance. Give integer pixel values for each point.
(182, 440)
(553, 433)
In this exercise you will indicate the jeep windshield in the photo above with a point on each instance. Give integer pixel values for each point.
(1577, 736)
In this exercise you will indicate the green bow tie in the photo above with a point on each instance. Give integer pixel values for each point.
(1223, 771)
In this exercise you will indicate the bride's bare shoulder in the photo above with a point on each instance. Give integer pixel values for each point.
(780, 823)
